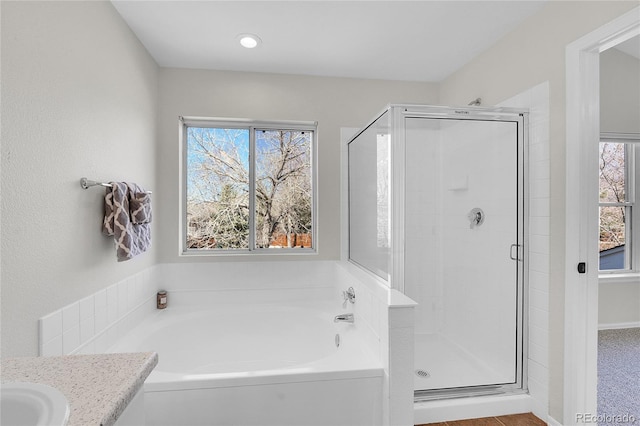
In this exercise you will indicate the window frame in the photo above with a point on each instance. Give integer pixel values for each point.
(631, 203)
(252, 126)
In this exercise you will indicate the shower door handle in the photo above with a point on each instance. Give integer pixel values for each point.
(517, 252)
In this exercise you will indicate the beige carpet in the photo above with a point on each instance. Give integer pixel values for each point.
(619, 377)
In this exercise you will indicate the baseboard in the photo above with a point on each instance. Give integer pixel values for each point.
(553, 422)
(613, 326)
(470, 408)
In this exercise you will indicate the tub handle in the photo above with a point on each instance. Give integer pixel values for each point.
(349, 295)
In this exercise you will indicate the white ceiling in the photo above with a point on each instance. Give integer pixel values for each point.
(391, 40)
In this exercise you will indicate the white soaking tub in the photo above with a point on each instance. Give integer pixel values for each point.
(256, 364)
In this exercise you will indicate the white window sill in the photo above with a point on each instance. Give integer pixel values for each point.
(249, 253)
(623, 278)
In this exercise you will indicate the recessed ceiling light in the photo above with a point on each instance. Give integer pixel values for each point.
(249, 40)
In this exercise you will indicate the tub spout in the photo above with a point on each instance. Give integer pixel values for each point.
(344, 318)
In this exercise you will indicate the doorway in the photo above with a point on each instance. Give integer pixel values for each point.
(581, 272)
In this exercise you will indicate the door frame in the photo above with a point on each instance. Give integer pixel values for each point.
(581, 235)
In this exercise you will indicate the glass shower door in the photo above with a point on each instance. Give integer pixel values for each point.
(463, 229)
(369, 197)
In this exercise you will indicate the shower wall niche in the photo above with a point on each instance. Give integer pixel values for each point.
(437, 210)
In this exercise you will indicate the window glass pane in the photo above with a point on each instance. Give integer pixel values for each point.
(612, 172)
(283, 188)
(612, 237)
(217, 188)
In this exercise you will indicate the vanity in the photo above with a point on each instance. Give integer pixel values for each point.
(100, 390)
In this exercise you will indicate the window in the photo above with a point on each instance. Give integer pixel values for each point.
(248, 186)
(619, 215)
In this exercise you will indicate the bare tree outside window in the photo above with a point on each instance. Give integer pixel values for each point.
(283, 186)
(219, 178)
(612, 190)
(217, 188)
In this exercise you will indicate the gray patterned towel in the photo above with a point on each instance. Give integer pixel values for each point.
(131, 232)
(140, 207)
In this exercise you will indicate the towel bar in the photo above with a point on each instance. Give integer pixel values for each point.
(86, 184)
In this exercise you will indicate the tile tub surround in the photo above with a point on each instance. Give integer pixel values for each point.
(255, 281)
(92, 324)
(95, 323)
(98, 387)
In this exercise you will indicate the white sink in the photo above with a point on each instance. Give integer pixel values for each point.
(32, 404)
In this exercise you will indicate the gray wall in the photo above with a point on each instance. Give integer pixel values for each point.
(82, 97)
(333, 102)
(619, 92)
(79, 97)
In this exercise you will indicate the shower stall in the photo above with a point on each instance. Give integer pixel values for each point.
(437, 210)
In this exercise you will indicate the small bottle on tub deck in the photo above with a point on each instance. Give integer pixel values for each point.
(162, 299)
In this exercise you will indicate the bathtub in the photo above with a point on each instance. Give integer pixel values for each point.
(258, 363)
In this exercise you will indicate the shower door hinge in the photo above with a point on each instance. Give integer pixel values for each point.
(582, 267)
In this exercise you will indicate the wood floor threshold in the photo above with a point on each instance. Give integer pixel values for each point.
(527, 419)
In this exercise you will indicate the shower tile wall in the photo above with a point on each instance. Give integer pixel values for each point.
(422, 258)
(537, 100)
(471, 289)
(462, 276)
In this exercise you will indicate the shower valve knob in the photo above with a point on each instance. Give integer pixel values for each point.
(476, 217)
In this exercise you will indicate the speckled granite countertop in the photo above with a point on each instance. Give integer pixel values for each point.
(98, 387)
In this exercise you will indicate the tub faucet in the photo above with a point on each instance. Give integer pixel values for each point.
(344, 318)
